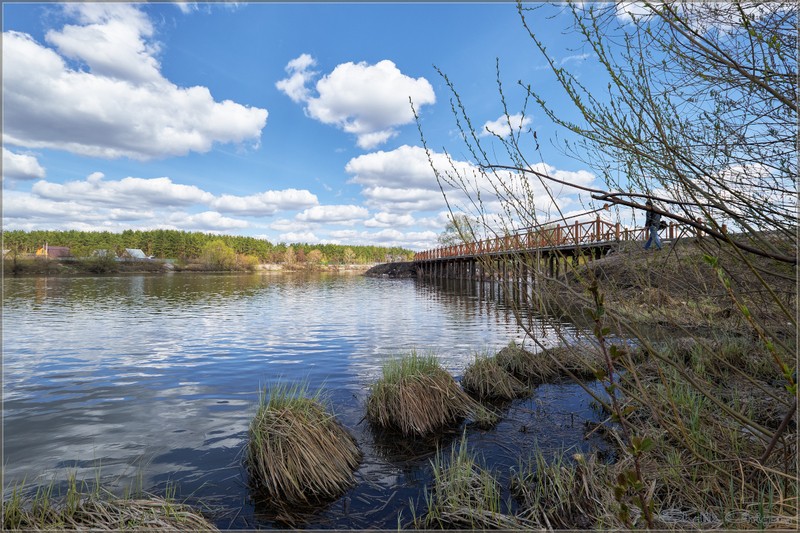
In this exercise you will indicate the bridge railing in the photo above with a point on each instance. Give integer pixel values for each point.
(575, 234)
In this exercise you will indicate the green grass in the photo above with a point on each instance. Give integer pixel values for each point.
(464, 495)
(559, 494)
(298, 452)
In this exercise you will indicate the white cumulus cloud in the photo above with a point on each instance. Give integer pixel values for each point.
(295, 85)
(406, 166)
(415, 240)
(127, 192)
(504, 125)
(208, 220)
(329, 214)
(402, 179)
(21, 166)
(304, 237)
(400, 200)
(390, 220)
(113, 40)
(265, 203)
(96, 203)
(369, 101)
(119, 105)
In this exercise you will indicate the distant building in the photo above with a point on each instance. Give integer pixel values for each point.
(53, 252)
(135, 253)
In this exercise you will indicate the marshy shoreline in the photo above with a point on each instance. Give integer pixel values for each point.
(691, 387)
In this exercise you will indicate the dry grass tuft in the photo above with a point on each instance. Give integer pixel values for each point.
(549, 365)
(99, 510)
(487, 380)
(298, 453)
(416, 395)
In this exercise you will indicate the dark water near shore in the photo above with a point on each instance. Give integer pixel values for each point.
(156, 378)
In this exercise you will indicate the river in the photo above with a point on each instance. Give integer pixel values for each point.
(152, 380)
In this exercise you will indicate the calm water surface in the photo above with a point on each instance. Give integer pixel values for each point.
(156, 378)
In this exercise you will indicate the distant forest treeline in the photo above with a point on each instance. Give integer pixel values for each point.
(185, 245)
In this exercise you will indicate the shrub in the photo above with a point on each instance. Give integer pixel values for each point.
(217, 255)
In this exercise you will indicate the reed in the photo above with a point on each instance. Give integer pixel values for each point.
(415, 395)
(298, 453)
(562, 493)
(464, 496)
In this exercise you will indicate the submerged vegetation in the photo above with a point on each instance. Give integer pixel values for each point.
(416, 395)
(298, 453)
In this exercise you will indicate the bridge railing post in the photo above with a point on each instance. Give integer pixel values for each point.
(597, 229)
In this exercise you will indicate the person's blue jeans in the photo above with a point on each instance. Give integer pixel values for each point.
(654, 238)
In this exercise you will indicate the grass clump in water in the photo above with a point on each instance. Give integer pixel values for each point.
(561, 494)
(487, 380)
(298, 453)
(551, 364)
(464, 496)
(83, 508)
(416, 395)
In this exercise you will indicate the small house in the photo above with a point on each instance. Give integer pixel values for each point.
(135, 253)
(53, 252)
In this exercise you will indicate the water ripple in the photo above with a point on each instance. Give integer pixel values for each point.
(159, 375)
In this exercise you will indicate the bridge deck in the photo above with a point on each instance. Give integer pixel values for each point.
(567, 239)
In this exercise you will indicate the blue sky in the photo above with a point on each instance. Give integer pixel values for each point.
(284, 121)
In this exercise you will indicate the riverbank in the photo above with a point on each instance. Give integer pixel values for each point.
(678, 290)
(706, 401)
(82, 267)
(713, 399)
(399, 269)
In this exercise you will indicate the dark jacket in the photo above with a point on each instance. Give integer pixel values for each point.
(653, 219)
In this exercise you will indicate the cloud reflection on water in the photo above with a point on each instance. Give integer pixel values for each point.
(159, 375)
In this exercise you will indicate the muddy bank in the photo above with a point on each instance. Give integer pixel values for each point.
(393, 270)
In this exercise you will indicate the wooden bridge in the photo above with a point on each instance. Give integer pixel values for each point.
(513, 256)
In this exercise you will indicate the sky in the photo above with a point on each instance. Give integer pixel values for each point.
(284, 121)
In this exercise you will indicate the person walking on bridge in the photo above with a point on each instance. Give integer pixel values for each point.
(652, 224)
